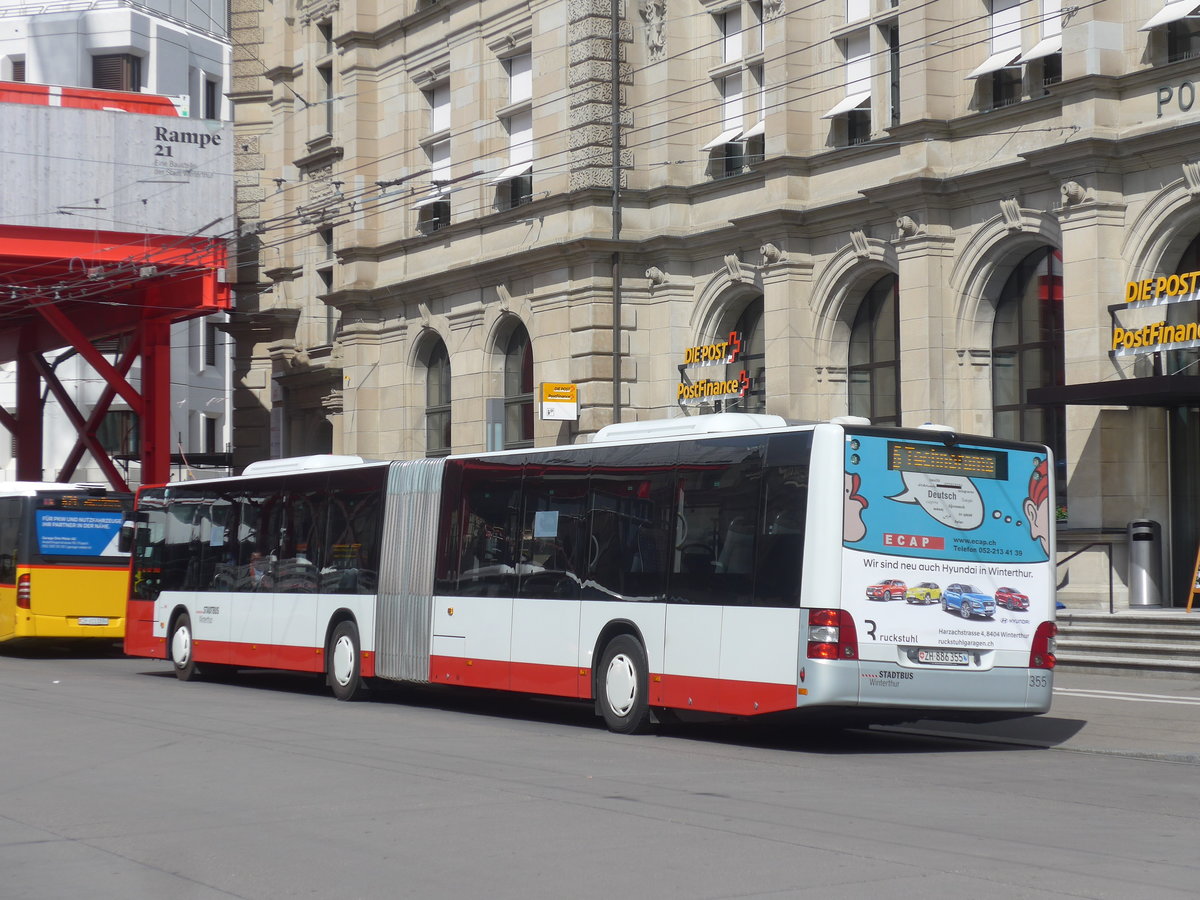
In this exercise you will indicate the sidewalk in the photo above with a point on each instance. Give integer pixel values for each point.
(1146, 717)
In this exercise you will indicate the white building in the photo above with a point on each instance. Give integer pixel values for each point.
(107, 180)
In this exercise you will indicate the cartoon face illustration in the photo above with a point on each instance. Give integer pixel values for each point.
(1037, 506)
(853, 527)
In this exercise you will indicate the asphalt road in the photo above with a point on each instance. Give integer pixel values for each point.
(117, 781)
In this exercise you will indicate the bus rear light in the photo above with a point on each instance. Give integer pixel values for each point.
(23, 592)
(831, 635)
(1041, 654)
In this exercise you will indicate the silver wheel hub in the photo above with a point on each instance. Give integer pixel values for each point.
(343, 660)
(181, 647)
(620, 684)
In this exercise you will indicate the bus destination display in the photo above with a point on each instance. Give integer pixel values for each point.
(934, 460)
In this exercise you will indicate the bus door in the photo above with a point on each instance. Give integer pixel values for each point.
(10, 554)
(718, 493)
(552, 563)
(472, 635)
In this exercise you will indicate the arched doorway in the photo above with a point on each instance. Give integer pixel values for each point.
(1027, 352)
(1183, 439)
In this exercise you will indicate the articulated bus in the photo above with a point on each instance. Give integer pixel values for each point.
(62, 574)
(728, 564)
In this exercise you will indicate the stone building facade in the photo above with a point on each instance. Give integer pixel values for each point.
(916, 212)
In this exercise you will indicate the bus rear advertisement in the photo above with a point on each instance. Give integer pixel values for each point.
(729, 564)
(62, 574)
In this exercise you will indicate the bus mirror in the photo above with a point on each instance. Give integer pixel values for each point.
(125, 538)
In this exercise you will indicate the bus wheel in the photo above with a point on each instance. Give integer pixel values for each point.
(624, 686)
(344, 663)
(181, 649)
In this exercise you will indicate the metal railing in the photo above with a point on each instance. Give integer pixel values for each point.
(1108, 545)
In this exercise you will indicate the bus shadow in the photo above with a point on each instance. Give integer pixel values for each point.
(51, 648)
(792, 731)
(801, 732)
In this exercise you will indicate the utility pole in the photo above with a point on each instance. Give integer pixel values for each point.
(615, 12)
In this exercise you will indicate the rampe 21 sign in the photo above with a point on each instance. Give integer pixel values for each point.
(718, 353)
(1145, 328)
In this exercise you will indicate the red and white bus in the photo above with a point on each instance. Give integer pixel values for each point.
(714, 563)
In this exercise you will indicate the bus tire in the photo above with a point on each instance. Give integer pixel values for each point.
(623, 686)
(344, 662)
(181, 649)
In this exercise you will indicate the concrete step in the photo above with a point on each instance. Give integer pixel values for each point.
(1073, 645)
(1130, 638)
(1157, 640)
(1102, 662)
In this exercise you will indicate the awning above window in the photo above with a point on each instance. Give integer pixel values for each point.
(430, 199)
(723, 138)
(1172, 12)
(1152, 390)
(1043, 48)
(514, 171)
(755, 130)
(996, 62)
(851, 101)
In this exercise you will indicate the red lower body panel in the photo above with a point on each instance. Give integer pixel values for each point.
(742, 698)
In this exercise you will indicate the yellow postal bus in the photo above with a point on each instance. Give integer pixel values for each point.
(61, 573)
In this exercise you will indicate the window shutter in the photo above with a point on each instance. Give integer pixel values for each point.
(108, 72)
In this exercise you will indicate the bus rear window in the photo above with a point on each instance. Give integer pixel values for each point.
(78, 533)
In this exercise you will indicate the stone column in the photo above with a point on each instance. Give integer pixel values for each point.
(927, 384)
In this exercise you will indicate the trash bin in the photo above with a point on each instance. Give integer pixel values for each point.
(1145, 563)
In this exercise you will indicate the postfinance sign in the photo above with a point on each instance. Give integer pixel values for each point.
(1154, 337)
(1149, 331)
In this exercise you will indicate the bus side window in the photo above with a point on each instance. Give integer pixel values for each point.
(351, 562)
(450, 533)
(630, 524)
(301, 553)
(785, 510)
(491, 493)
(553, 528)
(252, 564)
(10, 535)
(720, 488)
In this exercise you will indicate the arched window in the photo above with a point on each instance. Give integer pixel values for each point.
(873, 373)
(437, 401)
(1184, 361)
(751, 360)
(1027, 352)
(518, 390)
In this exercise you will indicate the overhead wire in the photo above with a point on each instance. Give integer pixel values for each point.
(377, 195)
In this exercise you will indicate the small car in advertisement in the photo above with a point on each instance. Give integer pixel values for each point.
(1011, 598)
(925, 592)
(967, 601)
(888, 589)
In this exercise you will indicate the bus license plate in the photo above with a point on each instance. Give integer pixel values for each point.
(942, 657)
(93, 620)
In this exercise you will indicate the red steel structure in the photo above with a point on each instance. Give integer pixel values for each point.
(62, 287)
